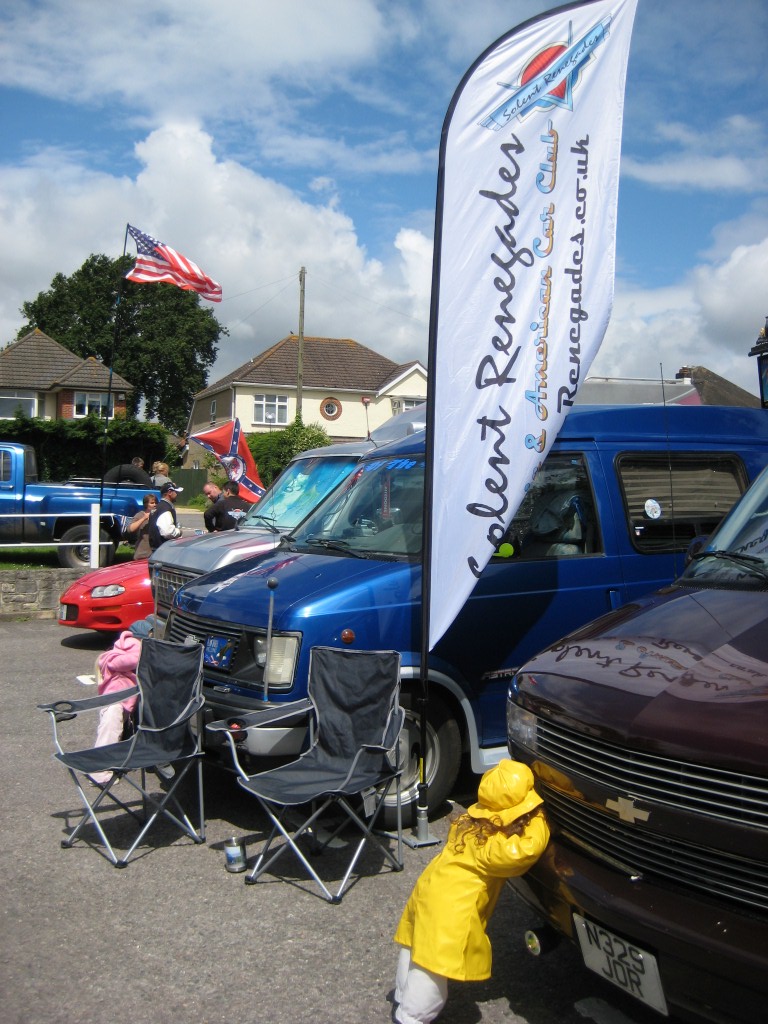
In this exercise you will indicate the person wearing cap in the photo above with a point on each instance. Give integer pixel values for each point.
(163, 524)
(442, 930)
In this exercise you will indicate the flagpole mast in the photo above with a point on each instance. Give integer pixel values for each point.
(115, 340)
(300, 356)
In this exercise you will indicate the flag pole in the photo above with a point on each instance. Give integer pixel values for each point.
(113, 349)
(422, 834)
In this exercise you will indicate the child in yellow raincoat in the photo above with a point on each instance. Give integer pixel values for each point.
(442, 930)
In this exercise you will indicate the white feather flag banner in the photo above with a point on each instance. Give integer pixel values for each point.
(525, 240)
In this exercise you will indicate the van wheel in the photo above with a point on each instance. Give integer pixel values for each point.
(78, 556)
(442, 764)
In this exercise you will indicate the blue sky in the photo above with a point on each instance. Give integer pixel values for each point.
(261, 136)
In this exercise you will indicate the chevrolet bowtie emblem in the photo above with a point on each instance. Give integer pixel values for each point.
(626, 810)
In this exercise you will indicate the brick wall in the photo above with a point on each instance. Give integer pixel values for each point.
(33, 593)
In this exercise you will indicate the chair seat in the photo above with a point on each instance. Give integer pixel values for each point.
(302, 782)
(128, 755)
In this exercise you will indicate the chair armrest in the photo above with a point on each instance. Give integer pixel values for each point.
(254, 719)
(64, 709)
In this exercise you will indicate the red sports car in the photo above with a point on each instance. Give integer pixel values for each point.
(109, 599)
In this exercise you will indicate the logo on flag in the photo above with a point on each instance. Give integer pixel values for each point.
(230, 447)
(548, 78)
(157, 262)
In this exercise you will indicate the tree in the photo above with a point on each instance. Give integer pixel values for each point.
(273, 451)
(164, 345)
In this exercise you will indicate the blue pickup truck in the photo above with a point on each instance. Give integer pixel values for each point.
(609, 517)
(35, 513)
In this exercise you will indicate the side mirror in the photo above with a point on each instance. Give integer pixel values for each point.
(695, 546)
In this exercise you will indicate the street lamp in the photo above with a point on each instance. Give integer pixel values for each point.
(760, 349)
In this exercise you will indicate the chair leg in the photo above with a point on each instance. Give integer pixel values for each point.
(89, 815)
(180, 818)
(175, 813)
(263, 863)
(266, 858)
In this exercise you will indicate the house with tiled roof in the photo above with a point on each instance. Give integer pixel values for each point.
(347, 388)
(42, 378)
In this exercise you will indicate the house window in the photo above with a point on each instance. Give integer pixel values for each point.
(88, 402)
(268, 409)
(12, 402)
(213, 411)
(330, 408)
(403, 404)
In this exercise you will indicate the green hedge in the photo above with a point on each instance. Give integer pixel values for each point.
(67, 448)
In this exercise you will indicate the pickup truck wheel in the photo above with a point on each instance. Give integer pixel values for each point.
(443, 759)
(78, 556)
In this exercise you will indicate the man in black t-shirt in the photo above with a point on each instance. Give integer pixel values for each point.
(230, 508)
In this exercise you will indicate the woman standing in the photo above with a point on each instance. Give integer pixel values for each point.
(137, 530)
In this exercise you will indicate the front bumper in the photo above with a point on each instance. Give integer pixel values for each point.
(713, 962)
(104, 614)
(286, 739)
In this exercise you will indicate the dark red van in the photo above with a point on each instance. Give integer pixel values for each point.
(648, 734)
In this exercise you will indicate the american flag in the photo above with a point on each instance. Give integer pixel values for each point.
(157, 261)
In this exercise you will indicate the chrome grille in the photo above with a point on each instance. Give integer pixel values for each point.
(181, 625)
(705, 790)
(168, 581)
(244, 671)
(720, 875)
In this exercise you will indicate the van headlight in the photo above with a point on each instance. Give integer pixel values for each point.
(521, 727)
(281, 666)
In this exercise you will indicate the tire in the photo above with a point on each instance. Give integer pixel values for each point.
(443, 759)
(79, 557)
(127, 473)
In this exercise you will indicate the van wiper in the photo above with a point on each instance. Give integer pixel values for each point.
(335, 545)
(270, 525)
(749, 562)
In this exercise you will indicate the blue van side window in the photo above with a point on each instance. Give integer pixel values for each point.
(557, 517)
(670, 499)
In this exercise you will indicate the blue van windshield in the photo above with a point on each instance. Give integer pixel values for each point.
(378, 513)
(299, 489)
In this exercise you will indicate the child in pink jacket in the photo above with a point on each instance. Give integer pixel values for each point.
(442, 932)
(116, 670)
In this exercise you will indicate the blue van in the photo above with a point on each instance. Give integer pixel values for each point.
(609, 517)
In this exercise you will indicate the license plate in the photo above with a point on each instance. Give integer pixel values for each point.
(62, 611)
(218, 651)
(627, 966)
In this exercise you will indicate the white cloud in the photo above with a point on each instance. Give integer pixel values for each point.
(247, 231)
(711, 319)
(183, 55)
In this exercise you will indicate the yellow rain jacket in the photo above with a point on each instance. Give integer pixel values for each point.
(446, 915)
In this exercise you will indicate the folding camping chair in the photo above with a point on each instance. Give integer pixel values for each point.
(170, 678)
(355, 722)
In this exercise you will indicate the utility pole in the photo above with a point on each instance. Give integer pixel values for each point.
(300, 360)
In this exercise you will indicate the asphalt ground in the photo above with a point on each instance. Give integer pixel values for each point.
(175, 937)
